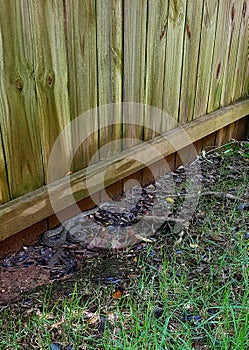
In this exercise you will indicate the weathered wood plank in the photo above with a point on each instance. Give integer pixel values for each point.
(80, 27)
(110, 69)
(235, 15)
(190, 60)
(19, 122)
(51, 80)
(31, 208)
(243, 129)
(4, 190)
(173, 62)
(155, 61)
(208, 28)
(135, 13)
(243, 52)
(219, 62)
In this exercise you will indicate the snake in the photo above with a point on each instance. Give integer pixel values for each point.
(106, 220)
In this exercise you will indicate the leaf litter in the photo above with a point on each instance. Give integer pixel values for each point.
(207, 255)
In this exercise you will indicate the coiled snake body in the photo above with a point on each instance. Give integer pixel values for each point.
(110, 221)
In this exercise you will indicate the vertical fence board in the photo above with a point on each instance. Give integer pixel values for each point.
(80, 26)
(19, 122)
(61, 58)
(242, 129)
(155, 60)
(245, 88)
(190, 60)
(208, 28)
(243, 52)
(173, 62)
(4, 190)
(135, 13)
(52, 80)
(220, 48)
(235, 15)
(110, 66)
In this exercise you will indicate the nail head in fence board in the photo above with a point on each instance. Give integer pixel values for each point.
(155, 61)
(135, 13)
(235, 14)
(80, 27)
(110, 68)
(208, 29)
(173, 62)
(19, 127)
(29, 209)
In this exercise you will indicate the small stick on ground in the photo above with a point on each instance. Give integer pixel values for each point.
(159, 218)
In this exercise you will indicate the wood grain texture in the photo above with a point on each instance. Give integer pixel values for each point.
(18, 102)
(135, 19)
(80, 28)
(173, 62)
(190, 60)
(234, 21)
(241, 73)
(242, 130)
(31, 208)
(110, 69)
(208, 30)
(219, 56)
(4, 189)
(157, 18)
(52, 81)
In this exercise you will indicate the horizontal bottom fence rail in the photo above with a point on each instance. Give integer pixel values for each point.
(36, 206)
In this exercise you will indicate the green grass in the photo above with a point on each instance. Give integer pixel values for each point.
(187, 295)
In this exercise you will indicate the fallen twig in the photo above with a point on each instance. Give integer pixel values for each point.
(159, 218)
(209, 193)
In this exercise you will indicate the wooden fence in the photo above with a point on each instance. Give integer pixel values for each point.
(61, 58)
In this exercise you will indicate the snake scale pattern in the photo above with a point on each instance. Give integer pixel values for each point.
(112, 222)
